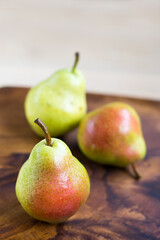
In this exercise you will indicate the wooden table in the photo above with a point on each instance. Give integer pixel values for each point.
(119, 207)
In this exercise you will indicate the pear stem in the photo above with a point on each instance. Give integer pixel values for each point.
(137, 175)
(75, 62)
(45, 130)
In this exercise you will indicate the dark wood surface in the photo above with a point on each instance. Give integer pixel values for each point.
(119, 207)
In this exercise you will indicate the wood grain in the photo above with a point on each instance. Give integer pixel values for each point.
(119, 207)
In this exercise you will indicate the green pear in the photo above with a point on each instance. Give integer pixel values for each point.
(52, 184)
(60, 101)
(112, 135)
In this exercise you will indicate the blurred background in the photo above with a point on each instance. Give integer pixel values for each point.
(119, 43)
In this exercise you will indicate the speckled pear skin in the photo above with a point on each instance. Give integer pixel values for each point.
(60, 102)
(112, 135)
(52, 184)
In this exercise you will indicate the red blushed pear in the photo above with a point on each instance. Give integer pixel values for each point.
(52, 184)
(112, 135)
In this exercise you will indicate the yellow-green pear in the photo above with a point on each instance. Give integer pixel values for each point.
(59, 101)
(52, 184)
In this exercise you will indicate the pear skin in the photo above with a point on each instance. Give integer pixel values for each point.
(112, 135)
(60, 101)
(52, 184)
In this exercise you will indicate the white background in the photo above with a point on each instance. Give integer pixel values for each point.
(119, 43)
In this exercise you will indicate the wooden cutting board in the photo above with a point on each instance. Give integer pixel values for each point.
(119, 207)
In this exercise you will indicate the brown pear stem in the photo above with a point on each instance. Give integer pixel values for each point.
(137, 175)
(75, 62)
(45, 130)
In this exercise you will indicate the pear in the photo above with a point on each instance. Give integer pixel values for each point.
(52, 184)
(112, 135)
(60, 101)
